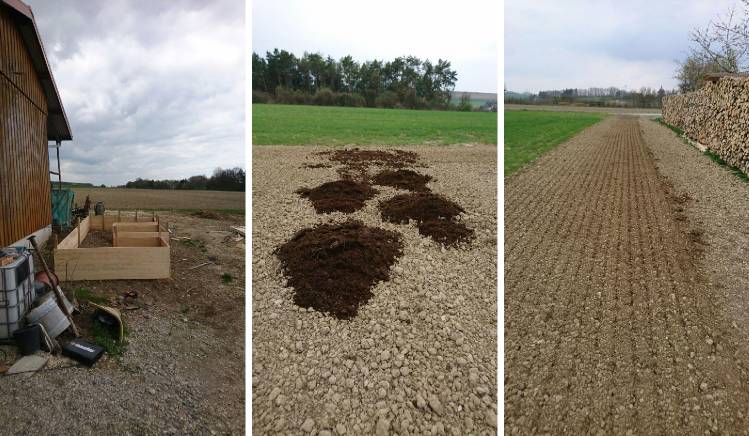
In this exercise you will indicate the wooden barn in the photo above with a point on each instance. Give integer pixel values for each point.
(31, 116)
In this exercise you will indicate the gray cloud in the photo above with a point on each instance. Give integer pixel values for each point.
(152, 89)
(582, 43)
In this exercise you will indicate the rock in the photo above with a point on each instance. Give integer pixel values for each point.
(325, 433)
(274, 393)
(420, 403)
(340, 429)
(435, 405)
(31, 363)
(491, 417)
(703, 386)
(308, 425)
(385, 355)
(383, 426)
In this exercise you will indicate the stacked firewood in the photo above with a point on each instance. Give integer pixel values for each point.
(717, 116)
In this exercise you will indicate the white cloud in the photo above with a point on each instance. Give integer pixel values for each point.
(581, 43)
(464, 33)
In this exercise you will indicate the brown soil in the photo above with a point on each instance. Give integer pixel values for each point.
(97, 238)
(610, 325)
(345, 196)
(332, 267)
(356, 162)
(419, 206)
(207, 214)
(317, 165)
(448, 233)
(403, 179)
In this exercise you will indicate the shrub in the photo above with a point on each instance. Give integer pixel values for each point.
(387, 99)
(261, 97)
(325, 97)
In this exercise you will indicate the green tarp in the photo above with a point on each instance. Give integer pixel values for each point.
(62, 205)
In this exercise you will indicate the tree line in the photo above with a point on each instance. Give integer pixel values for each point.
(222, 180)
(404, 82)
(645, 97)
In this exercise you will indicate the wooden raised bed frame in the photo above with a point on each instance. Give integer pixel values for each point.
(140, 250)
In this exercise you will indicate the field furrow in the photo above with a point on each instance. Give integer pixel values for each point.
(609, 324)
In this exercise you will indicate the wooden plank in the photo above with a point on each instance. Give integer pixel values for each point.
(25, 205)
(138, 239)
(112, 263)
(136, 227)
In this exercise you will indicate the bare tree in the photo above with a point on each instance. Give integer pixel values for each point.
(724, 42)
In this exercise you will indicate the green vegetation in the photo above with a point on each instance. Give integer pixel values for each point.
(529, 134)
(105, 338)
(338, 126)
(709, 153)
(227, 278)
(85, 294)
(408, 82)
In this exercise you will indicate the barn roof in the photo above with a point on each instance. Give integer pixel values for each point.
(58, 128)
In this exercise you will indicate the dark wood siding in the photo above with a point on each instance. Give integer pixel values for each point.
(24, 160)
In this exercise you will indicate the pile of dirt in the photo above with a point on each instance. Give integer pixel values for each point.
(340, 196)
(446, 232)
(434, 214)
(332, 267)
(356, 162)
(403, 179)
(418, 206)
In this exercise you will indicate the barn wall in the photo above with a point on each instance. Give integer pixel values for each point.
(24, 160)
(717, 116)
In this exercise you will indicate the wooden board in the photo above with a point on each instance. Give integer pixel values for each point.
(105, 222)
(139, 239)
(71, 241)
(25, 203)
(112, 263)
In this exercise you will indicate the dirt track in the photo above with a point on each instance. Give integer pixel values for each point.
(610, 324)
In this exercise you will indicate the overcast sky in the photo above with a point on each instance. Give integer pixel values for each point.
(152, 89)
(465, 32)
(582, 43)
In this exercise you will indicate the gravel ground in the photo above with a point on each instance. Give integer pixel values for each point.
(420, 356)
(611, 327)
(183, 371)
(718, 207)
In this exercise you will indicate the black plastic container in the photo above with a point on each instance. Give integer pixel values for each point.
(28, 339)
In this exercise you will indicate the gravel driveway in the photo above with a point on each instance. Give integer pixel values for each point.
(420, 356)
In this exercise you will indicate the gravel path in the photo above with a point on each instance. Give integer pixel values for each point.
(420, 356)
(610, 326)
(183, 371)
(717, 206)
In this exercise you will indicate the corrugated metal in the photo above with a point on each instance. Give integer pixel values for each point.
(58, 127)
(25, 205)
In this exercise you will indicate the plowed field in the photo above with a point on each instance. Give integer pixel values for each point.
(610, 325)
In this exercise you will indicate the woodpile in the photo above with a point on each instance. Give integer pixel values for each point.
(717, 115)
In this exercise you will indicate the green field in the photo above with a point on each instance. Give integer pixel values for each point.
(274, 124)
(529, 134)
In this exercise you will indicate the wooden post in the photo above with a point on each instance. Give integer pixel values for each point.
(136, 215)
(153, 215)
(78, 227)
(118, 216)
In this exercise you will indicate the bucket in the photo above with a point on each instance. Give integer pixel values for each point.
(99, 208)
(48, 314)
(28, 339)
